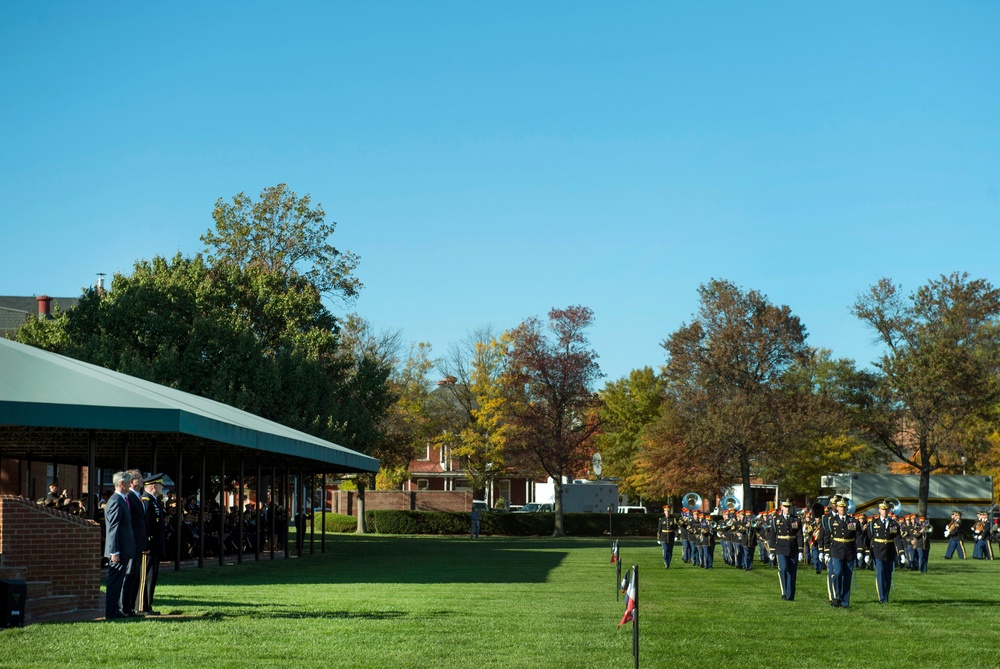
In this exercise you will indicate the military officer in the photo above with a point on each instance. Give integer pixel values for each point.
(786, 528)
(666, 531)
(156, 545)
(953, 533)
(843, 537)
(981, 535)
(883, 532)
(923, 545)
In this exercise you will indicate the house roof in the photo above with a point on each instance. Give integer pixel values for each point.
(15, 309)
(50, 405)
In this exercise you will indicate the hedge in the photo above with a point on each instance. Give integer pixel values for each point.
(509, 524)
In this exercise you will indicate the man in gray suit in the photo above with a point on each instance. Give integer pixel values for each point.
(119, 547)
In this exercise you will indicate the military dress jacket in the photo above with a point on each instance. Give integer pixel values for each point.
(843, 537)
(883, 538)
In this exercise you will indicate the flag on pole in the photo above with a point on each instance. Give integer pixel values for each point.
(614, 552)
(628, 586)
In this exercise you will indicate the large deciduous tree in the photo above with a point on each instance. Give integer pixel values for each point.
(940, 370)
(470, 401)
(550, 402)
(282, 234)
(725, 374)
(628, 405)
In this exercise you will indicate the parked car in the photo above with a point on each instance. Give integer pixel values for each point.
(632, 509)
(481, 505)
(535, 507)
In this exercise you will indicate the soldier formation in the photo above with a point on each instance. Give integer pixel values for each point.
(830, 540)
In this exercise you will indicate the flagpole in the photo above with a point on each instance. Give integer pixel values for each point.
(635, 616)
(618, 579)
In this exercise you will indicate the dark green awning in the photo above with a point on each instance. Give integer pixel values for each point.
(42, 392)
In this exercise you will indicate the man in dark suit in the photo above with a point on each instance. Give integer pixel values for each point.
(157, 543)
(134, 576)
(119, 547)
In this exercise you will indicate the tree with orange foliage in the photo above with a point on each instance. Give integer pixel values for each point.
(550, 402)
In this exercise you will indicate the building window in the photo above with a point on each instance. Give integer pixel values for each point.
(426, 455)
(504, 491)
(423, 484)
(463, 485)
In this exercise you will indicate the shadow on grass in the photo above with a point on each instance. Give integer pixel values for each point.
(401, 560)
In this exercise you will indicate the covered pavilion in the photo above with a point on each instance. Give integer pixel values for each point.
(56, 409)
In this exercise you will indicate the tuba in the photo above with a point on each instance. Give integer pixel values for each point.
(730, 503)
(691, 501)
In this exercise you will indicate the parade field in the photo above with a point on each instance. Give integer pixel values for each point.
(395, 602)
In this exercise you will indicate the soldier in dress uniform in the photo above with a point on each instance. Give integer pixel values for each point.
(923, 545)
(981, 535)
(883, 532)
(705, 533)
(863, 556)
(953, 533)
(684, 527)
(786, 528)
(745, 538)
(666, 531)
(156, 548)
(843, 537)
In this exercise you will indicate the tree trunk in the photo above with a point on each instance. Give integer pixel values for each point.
(925, 476)
(557, 508)
(361, 506)
(745, 478)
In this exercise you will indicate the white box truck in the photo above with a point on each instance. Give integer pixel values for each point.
(581, 496)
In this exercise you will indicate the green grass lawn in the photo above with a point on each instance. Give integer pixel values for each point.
(396, 602)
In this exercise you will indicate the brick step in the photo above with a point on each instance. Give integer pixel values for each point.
(13, 573)
(41, 607)
(39, 589)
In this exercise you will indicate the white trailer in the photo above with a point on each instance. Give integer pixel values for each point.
(581, 496)
(948, 493)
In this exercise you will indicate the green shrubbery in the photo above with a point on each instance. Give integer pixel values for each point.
(337, 522)
(509, 524)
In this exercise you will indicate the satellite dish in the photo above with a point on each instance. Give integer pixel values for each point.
(597, 464)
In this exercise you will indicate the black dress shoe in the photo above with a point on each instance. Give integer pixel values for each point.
(835, 603)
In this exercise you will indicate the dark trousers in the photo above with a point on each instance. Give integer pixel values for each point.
(746, 557)
(953, 545)
(668, 553)
(144, 603)
(116, 582)
(788, 567)
(841, 571)
(883, 578)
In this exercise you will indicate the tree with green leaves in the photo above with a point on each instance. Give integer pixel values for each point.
(284, 235)
(470, 403)
(940, 370)
(548, 393)
(628, 405)
(726, 376)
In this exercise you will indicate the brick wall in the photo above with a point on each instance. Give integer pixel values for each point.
(345, 501)
(53, 546)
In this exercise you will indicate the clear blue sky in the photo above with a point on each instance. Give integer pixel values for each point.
(490, 161)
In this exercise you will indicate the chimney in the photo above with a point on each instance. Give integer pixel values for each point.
(100, 282)
(44, 306)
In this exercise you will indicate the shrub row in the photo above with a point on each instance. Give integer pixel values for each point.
(509, 524)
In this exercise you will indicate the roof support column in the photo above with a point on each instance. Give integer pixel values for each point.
(286, 507)
(179, 509)
(261, 496)
(272, 534)
(239, 511)
(93, 494)
(201, 509)
(223, 510)
(322, 537)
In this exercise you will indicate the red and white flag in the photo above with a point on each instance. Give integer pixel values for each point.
(614, 552)
(630, 601)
